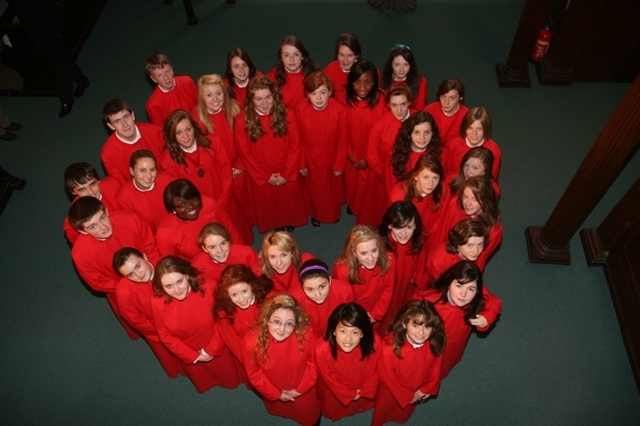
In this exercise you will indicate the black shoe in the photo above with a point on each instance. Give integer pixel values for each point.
(80, 88)
(192, 20)
(289, 228)
(13, 127)
(315, 222)
(8, 136)
(349, 212)
(65, 109)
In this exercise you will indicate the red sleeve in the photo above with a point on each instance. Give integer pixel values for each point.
(372, 156)
(432, 386)
(255, 373)
(258, 173)
(370, 386)
(180, 349)
(492, 308)
(223, 172)
(382, 305)
(230, 337)
(310, 376)
(325, 361)
(86, 260)
(420, 100)
(293, 163)
(341, 155)
(387, 365)
(131, 313)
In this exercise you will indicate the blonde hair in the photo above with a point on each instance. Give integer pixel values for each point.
(362, 234)
(283, 241)
(230, 107)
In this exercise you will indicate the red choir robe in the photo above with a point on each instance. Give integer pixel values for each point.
(439, 260)
(425, 205)
(148, 204)
(323, 137)
(179, 237)
(239, 93)
(364, 191)
(274, 206)
(293, 87)
(340, 378)
(287, 367)
(183, 96)
(116, 153)
(134, 301)
(375, 290)
(110, 189)
(283, 283)
(338, 78)
(238, 255)
(457, 148)
(448, 126)
(455, 327)
(185, 327)
(420, 99)
(401, 378)
(93, 258)
(339, 292)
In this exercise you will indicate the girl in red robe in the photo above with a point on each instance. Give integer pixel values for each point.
(269, 148)
(240, 69)
(318, 294)
(219, 251)
(293, 64)
(347, 363)
(449, 109)
(477, 161)
(365, 264)
(182, 316)
(475, 131)
(403, 235)
(238, 297)
(279, 358)
(280, 260)
(424, 188)
(347, 52)
(322, 127)
(401, 68)
(409, 362)
(463, 302)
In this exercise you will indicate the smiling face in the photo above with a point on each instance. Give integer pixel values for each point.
(91, 188)
(137, 269)
(217, 248)
(263, 101)
(426, 181)
(472, 249)
(399, 106)
(470, 204)
(241, 295)
(367, 253)
(176, 285)
(473, 167)
(403, 235)
(346, 58)
(317, 289)
(347, 337)
(163, 77)
(421, 136)
(475, 134)
(319, 98)
(185, 134)
(213, 97)
(240, 71)
(417, 332)
(363, 85)
(282, 323)
(280, 261)
(144, 173)
(99, 226)
(400, 68)
(187, 209)
(462, 294)
(291, 58)
(123, 123)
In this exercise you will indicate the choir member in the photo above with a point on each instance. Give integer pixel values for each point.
(322, 127)
(293, 64)
(463, 302)
(449, 109)
(475, 131)
(134, 293)
(365, 105)
(319, 294)
(410, 362)
(240, 69)
(269, 148)
(144, 192)
(82, 180)
(403, 235)
(425, 188)
(127, 137)
(171, 93)
(366, 265)
(477, 161)
(182, 315)
(188, 212)
(279, 358)
(346, 53)
(102, 233)
(281, 259)
(219, 251)
(401, 68)
(347, 363)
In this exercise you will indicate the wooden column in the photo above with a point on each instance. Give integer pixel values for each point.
(615, 144)
(619, 224)
(514, 72)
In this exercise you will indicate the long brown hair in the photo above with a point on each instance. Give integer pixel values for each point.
(420, 312)
(170, 264)
(169, 132)
(279, 123)
(402, 146)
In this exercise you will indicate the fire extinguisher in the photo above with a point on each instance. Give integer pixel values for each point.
(542, 44)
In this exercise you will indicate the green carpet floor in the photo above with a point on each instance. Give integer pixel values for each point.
(555, 357)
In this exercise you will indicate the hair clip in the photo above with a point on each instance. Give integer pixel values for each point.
(398, 46)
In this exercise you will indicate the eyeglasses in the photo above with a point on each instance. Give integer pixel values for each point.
(279, 324)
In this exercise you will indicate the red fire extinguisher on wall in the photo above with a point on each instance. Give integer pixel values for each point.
(542, 44)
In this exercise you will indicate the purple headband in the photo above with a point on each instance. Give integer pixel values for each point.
(314, 267)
